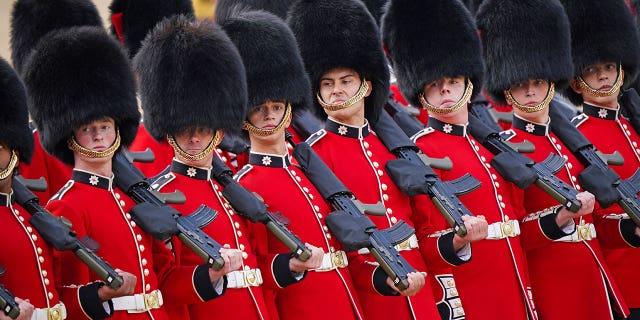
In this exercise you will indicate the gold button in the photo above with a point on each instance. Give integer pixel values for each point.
(493, 176)
(635, 144)
(499, 197)
(242, 247)
(624, 125)
(311, 196)
(574, 179)
(144, 261)
(380, 173)
(497, 184)
(325, 228)
(476, 147)
(146, 272)
(117, 195)
(148, 287)
(316, 208)
(376, 164)
(627, 132)
(39, 250)
(46, 281)
(34, 237)
(141, 247)
(293, 173)
(365, 144)
(394, 220)
(565, 157)
(319, 215)
(50, 295)
(569, 165)
(245, 255)
(298, 179)
(122, 203)
(369, 153)
(128, 216)
(487, 165)
(578, 187)
(21, 218)
(239, 233)
(483, 158)
(139, 237)
(29, 229)
(384, 187)
(305, 189)
(503, 205)
(236, 224)
(215, 187)
(389, 211)
(133, 224)
(44, 273)
(247, 267)
(553, 139)
(332, 249)
(385, 197)
(328, 235)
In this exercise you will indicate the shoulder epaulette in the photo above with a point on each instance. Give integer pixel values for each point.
(161, 179)
(67, 186)
(507, 134)
(422, 133)
(316, 136)
(579, 119)
(242, 172)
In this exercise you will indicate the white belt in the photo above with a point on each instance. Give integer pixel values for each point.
(244, 278)
(57, 312)
(139, 302)
(406, 245)
(584, 231)
(333, 260)
(501, 230)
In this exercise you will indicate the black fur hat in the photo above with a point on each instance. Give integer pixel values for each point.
(75, 76)
(131, 20)
(428, 40)
(277, 7)
(275, 70)
(14, 117)
(341, 34)
(190, 74)
(524, 39)
(602, 31)
(32, 19)
(376, 8)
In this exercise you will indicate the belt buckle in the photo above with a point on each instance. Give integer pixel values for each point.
(507, 228)
(250, 277)
(151, 300)
(584, 232)
(54, 313)
(337, 259)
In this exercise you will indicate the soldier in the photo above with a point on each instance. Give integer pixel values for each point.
(277, 83)
(605, 56)
(86, 114)
(443, 83)
(193, 89)
(350, 77)
(525, 63)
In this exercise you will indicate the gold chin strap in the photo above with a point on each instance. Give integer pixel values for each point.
(13, 162)
(599, 93)
(267, 132)
(529, 109)
(75, 146)
(364, 87)
(437, 110)
(196, 157)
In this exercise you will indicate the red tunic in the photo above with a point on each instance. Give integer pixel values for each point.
(498, 264)
(608, 133)
(98, 209)
(228, 228)
(358, 158)
(577, 266)
(291, 193)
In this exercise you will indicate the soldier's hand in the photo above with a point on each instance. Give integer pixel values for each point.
(416, 282)
(232, 261)
(128, 286)
(588, 201)
(26, 310)
(314, 262)
(477, 229)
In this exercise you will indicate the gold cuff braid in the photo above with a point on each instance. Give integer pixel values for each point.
(529, 109)
(246, 125)
(13, 162)
(196, 157)
(75, 146)
(600, 93)
(364, 87)
(437, 110)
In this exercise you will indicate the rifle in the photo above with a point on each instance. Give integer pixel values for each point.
(523, 171)
(630, 104)
(480, 107)
(59, 234)
(8, 302)
(348, 223)
(597, 177)
(413, 174)
(403, 116)
(163, 221)
(251, 207)
(305, 123)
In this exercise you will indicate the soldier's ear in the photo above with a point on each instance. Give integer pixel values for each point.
(574, 86)
(370, 88)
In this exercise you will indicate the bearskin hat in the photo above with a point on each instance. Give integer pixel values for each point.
(14, 116)
(275, 70)
(190, 74)
(131, 20)
(75, 76)
(277, 7)
(613, 38)
(428, 40)
(524, 39)
(32, 19)
(341, 34)
(376, 8)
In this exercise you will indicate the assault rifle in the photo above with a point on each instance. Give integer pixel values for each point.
(249, 206)
(413, 174)
(8, 302)
(523, 171)
(597, 177)
(480, 107)
(58, 233)
(163, 221)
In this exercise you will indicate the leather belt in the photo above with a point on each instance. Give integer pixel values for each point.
(406, 245)
(244, 278)
(139, 302)
(332, 261)
(501, 230)
(57, 312)
(584, 231)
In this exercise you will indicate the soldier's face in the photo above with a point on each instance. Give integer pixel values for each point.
(337, 86)
(5, 156)
(195, 140)
(600, 76)
(97, 135)
(530, 92)
(267, 115)
(444, 92)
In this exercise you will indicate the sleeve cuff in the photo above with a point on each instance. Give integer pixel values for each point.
(449, 254)
(283, 276)
(202, 283)
(628, 232)
(91, 304)
(380, 283)
(551, 229)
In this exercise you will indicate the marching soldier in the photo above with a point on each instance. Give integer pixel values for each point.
(525, 63)
(193, 89)
(277, 83)
(605, 56)
(443, 83)
(82, 98)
